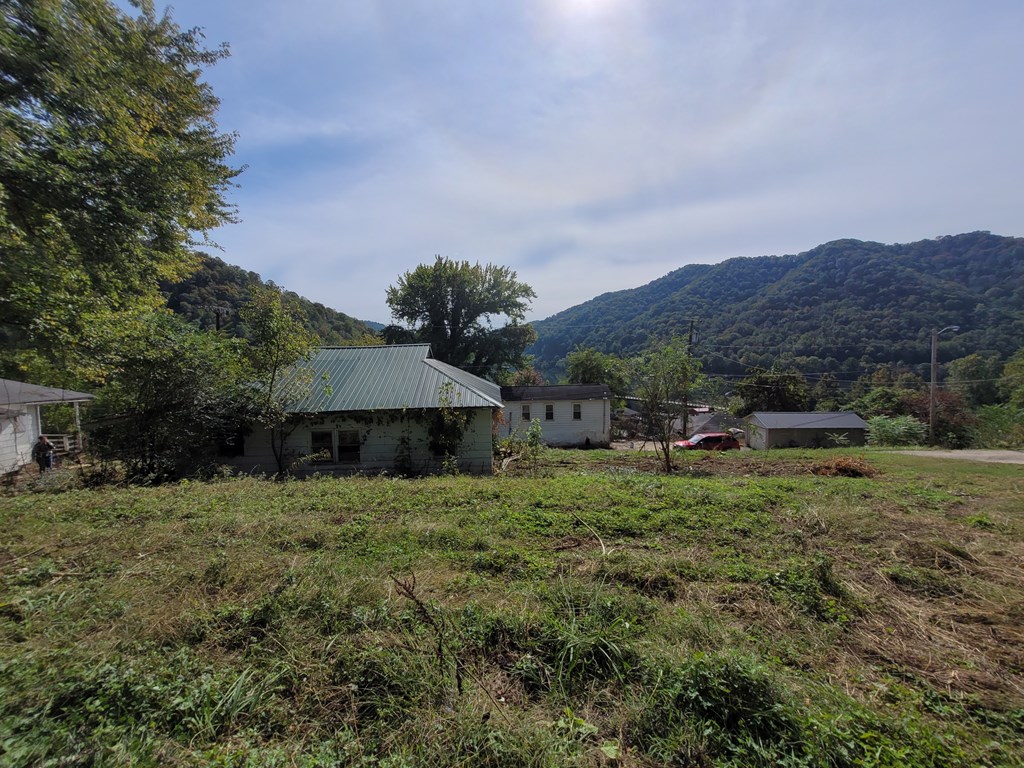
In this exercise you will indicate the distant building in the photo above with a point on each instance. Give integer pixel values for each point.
(373, 409)
(571, 415)
(805, 430)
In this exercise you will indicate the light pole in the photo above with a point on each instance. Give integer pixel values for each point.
(935, 374)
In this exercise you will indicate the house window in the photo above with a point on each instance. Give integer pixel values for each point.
(526, 414)
(321, 447)
(577, 411)
(549, 412)
(348, 446)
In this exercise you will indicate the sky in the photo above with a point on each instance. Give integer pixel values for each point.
(596, 145)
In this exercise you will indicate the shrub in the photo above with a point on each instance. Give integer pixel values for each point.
(896, 430)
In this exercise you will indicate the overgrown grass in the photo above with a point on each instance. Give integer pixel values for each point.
(744, 611)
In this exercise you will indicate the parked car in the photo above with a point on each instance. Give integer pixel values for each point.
(710, 441)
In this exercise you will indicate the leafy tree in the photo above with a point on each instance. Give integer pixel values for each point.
(663, 378)
(277, 345)
(450, 305)
(999, 426)
(526, 377)
(1011, 383)
(178, 395)
(772, 389)
(585, 365)
(954, 421)
(975, 377)
(110, 162)
(826, 395)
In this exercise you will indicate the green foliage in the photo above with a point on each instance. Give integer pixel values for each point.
(840, 307)
(773, 389)
(448, 428)
(213, 297)
(663, 379)
(110, 162)
(896, 430)
(178, 396)
(999, 426)
(1011, 383)
(826, 395)
(585, 365)
(974, 378)
(450, 305)
(277, 345)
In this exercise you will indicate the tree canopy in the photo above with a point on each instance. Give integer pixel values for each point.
(451, 304)
(111, 169)
(664, 377)
(585, 365)
(772, 390)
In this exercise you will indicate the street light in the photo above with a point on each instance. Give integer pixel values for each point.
(935, 370)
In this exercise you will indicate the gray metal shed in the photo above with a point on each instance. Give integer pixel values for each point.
(805, 429)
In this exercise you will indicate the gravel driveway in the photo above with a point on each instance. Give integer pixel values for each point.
(999, 457)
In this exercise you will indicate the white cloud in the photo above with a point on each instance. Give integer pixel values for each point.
(598, 145)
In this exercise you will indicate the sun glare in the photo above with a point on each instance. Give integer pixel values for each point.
(585, 7)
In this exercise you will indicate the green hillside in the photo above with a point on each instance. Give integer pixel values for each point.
(842, 307)
(221, 288)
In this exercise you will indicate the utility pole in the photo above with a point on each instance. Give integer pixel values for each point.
(686, 390)
(935, 379)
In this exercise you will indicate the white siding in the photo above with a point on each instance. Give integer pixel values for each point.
(380, 436)
(594, 424)
(18, 430)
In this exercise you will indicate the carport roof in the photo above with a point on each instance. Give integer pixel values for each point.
(22, 393)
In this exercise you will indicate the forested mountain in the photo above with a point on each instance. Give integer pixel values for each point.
(842, 307)
(220, 289)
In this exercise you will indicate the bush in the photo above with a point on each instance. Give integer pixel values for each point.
(999, 426)
(896, 430)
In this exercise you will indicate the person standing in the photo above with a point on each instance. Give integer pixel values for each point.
(42, 453)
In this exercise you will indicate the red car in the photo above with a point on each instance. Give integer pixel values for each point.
(710, 441)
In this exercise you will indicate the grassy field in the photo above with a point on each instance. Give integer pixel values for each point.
(750, 610)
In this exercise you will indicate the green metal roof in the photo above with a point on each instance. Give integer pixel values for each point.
(389, 378)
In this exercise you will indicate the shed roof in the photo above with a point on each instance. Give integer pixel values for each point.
(389, 378)
(808, 420)
(557, 392)
(21, 393)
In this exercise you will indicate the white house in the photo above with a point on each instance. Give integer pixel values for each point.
(375, 409)
(570, 414)
(805, 430)
(21, 420)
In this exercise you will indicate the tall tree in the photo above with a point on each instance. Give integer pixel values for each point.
(451, 304)
(277, 346)
(111, 167)
(178, 395)
(772, 389)
(975, 377)
(585, 365)
(663, 378)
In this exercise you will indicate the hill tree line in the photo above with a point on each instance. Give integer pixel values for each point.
(843, 307)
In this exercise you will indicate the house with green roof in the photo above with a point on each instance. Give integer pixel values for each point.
(381, 409)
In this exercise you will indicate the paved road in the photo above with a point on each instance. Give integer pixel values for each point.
(999, 457)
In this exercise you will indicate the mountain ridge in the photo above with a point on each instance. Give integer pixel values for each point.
(840, 307)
